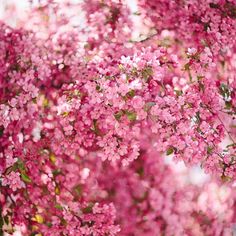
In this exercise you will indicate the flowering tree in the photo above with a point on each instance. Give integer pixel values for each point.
(89, 113)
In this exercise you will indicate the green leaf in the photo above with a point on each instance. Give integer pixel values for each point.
(146, 73)
(21, 165)
(88, 209)
(58, 206)
(131, 115)
(78, 190)
(129, 95)
(56, 172)
(228, 105)
(225, 91)
(63, 222)
(209, 149)
(118, 115)
(178, 92)
(65, 113)
(49, 224)
(170, 151)
(25, 177)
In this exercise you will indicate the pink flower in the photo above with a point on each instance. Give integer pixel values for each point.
(13, 180)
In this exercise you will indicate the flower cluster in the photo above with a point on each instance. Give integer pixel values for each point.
(89, 117)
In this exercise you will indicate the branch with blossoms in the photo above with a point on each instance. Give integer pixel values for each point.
(89, 118)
